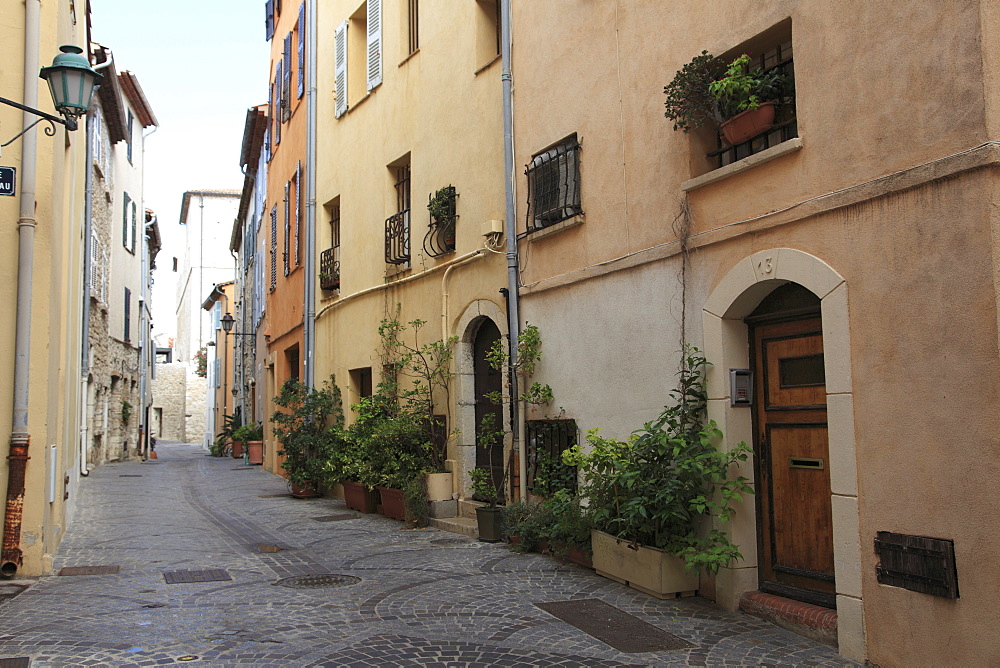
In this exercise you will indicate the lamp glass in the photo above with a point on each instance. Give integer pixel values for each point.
(71, 81)
(227, 322)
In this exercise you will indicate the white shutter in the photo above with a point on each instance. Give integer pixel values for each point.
(340, 69)
(298, 189)
(374, 43)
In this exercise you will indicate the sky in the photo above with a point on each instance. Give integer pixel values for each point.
(201, 65)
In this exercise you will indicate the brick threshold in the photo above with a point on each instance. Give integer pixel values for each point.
(811, 621)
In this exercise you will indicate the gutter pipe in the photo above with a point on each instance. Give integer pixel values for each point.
(308, 333)
(11, 556)
(513, 315)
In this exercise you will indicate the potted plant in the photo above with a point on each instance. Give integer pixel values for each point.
(307, 440)
(252, 438)
(224, 439)
(649, 496)
(441, 206)
(489, 486)
(739, 100)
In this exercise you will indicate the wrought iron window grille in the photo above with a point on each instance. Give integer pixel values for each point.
(545, 442)
(329, 269)
(440, 237)
(554, 185)
(785, 125)
(397, 238)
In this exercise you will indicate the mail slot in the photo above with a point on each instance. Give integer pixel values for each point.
(805, 463)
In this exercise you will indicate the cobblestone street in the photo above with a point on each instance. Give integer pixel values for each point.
(400, 597)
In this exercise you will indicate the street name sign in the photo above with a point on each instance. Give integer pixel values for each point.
(8, 178)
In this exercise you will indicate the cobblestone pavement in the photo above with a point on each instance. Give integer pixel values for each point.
(401, 598)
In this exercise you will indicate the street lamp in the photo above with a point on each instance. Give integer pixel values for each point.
(227, 324)
(71, 82)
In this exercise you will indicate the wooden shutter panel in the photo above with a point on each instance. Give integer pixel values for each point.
(134, 230)
(286, 81)
(302, 49)
(287, 256)
(374, 43)
(125, 228)
(269, 19)
(278, 111)
(298, 189)
(340, 69)
(274, 246)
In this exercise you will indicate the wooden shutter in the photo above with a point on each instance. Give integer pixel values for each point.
(287, 256)
(125, 227)
(128, 314)
(278, 111)
(302, 49)
(374, 43)
(298, 189)
(269, 19)
(134, 229)
(340, 69)
(286, 82)
(274, 246)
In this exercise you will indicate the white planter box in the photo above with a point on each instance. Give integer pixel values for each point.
(439, 486)
(647, 569)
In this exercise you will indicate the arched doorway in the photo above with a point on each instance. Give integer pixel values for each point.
(487, 380)
(795, 537)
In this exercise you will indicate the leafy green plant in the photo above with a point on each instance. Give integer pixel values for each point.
(442, 206)
(709, 89)
(553, 475)
(655, 488)
(309, 427)
(126, 414)
(249, 432)
(201, 362)
(415, 499)
(525, 524)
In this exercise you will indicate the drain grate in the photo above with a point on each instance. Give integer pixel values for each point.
(243, 468)
(336, 518)
(613, 626)
(449, 541)
(16, 662)
(90, 570)
(272, 496)
(155, 605)
(129, 475)
(318, 581)
(184, 577)
(264, 547)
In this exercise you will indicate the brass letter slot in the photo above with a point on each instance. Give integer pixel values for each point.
(805, 463)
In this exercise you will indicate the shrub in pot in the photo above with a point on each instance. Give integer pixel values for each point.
(252, 438)
(659, 487)
(309, 428)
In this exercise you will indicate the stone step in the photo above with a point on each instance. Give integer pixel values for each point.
(467, 507)
(461, 525)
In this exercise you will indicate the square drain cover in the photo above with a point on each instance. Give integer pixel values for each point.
(129, 475)
(182, 577)
(336, 518)
(19, 662)
(612, 626)
(90, 570)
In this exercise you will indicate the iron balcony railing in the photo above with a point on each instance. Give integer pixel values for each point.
(440, 237)
(397, 238)
(329, 269)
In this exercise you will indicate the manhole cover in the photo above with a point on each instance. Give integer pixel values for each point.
(155, 605)
(264, 547)
(183, 577)
(613, 626)
(336, 518)
(90, 570)
(318, 581)
(450, 541)
(18, 662)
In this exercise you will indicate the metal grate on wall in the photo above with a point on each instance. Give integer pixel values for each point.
(546, 441)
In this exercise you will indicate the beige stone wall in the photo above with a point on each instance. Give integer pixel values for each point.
(169, 389)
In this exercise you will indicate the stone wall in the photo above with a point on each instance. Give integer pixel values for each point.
(170, 401)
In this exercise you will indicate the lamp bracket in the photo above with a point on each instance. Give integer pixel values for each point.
(50, 131)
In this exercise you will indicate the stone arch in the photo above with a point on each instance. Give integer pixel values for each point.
(726, 346)
(463, 452)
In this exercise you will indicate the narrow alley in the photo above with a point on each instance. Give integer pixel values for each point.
(209, 562)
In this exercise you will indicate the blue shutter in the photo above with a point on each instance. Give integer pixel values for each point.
(269, 19)
(302, 49)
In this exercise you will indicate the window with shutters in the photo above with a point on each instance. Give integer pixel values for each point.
(340, 69)
(128, 315)
(358, 55)
(329, 259)
(487, 32)
(411, 29)
(301, 47)
(297, 223)
(135, 230)
(286, 254)
(286, 80)
(126, 226)
(274, 247)
(554, 185)
(269, 19)
(128, 136)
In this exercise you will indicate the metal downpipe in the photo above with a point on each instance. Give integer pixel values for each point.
(11, 556)
(309, 329)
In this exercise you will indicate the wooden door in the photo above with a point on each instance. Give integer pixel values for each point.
(793, 467)
(487, 380)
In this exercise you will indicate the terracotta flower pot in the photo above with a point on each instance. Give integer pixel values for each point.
(358, 497)
(749, 123)
(237, 449)
(255, 452)
(304, 490)
(393, 505)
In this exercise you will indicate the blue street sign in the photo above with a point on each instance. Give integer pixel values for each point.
(8, 178)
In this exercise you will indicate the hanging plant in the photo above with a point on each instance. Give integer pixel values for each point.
(126, 413)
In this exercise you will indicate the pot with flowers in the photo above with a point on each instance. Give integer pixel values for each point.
(739, 100)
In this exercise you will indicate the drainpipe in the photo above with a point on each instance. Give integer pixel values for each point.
(513, 316)
(10, 555)
(308, 332)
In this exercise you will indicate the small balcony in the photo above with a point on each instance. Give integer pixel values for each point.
(329, 269)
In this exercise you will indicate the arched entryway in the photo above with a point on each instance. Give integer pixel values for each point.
(488, 382)
(727, 345)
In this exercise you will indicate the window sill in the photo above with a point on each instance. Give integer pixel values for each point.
(357, 104)
(557, 227)
(407, 59)
(749, 162)
(487, 65)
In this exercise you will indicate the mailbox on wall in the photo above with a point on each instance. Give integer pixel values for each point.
(740, 387)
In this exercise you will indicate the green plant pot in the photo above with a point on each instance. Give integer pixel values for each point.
(489, 524)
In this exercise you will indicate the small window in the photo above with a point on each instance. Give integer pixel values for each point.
(361, 383)
(554, 185)
(488, 32)
(128, 315)
(175, 264)
(412, 31)
(126, 223)
(329, 259)
(397, 226)
(128, 137)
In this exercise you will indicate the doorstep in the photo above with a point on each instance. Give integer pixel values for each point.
(811, 621)
(466, 526)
